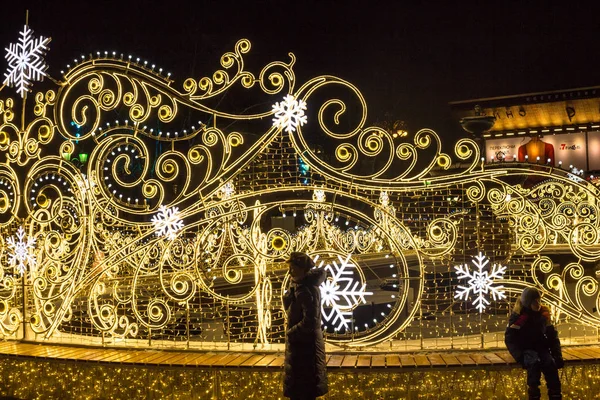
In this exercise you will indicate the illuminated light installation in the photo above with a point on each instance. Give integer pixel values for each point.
(227, 190)
(480, 282)
(26, 61)
(289, 114)
(218, 279)
(341, 293)
(21, 251)
(167, 222)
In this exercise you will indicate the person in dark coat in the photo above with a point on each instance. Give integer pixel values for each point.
(305, 375)
(533, 342)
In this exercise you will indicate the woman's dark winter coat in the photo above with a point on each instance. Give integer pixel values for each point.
(305, 374)
(532, 330)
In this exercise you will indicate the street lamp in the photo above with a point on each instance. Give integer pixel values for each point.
(477, 126)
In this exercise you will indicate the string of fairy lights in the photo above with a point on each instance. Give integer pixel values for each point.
(34, 379)
(151, 230)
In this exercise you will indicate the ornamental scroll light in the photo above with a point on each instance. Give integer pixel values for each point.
(185, 212)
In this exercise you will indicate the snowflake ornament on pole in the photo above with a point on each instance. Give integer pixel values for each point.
(26, 61)
(480, 282)
(341, 292)
(21, 251)
(167, 222)
(227, 190)
(289, 114)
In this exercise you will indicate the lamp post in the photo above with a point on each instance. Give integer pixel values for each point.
(477, 126)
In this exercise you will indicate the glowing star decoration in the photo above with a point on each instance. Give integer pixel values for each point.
(289, 114)
(341, 293)
(319, 196)
(21, 251)
(25, 61)
(167, 222)
(480, 282)
(227, 190)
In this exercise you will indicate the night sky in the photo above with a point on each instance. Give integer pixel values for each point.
(409, 61)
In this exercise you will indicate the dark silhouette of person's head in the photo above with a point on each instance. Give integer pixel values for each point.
(300, 265)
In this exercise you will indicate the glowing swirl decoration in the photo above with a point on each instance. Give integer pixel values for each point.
(149, 228)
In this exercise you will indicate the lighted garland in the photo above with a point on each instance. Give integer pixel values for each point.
(186, 223)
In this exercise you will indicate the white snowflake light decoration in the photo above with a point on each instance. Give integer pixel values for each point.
(384, 198)
(289, 114)
(21, 251)
(319, 196)
(227, 190)
(25, 61)
(167, 222)
(341, 292)
(480, 282)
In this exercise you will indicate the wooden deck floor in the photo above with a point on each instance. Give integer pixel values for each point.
(273, 361)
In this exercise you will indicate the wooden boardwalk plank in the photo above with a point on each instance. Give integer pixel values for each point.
(364, 361)
(252, 360)
(450, 360)
(594, 351)
(199, 358)
(105, 355)
(226, 360)
(494, 359)
(422, 360)
(162, 360)
(335, 361)
(179, 360)
(578, 354)
(465, 360)
(147, 357)
(436, 360)
(407, 360)
(506, 357)
(378, 361)
(221, 359)
(266, 360)
(211, 360)
(587, 352)
(59, 352)
(126, 356)
(70, 353)
(568, 356)
(278, 361)
(30, 350)
(89, 355)
(349, 361)
(238, 361)
(392, 360)
(6, 345)
(480, 359)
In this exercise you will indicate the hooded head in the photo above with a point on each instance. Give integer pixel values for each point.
(302, 270)
(300, 264)
(529, 297)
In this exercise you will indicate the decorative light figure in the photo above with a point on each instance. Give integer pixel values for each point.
(227, 190)
(384, 198)
(25, 61)
(20, 253)
(480, 282)
(167, 222)
(289, 114)
(319, 195)
(341, 292)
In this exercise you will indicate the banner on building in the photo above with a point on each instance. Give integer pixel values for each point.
(569, 148)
